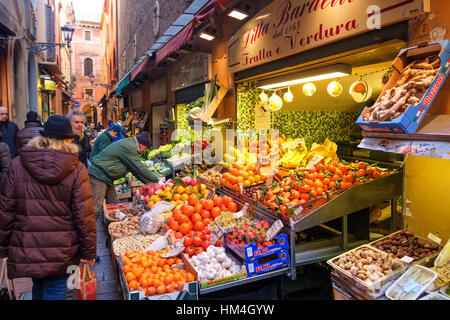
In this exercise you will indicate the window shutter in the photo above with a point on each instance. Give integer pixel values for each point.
(50, 19)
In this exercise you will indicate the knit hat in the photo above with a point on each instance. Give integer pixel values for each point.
(144, 139)
(58, 127)
(116, 128)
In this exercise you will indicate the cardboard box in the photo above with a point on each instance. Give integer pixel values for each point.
(256, 267)
(411, 119)
(249, 252)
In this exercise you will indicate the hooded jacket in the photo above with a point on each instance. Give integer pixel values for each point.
(47, 220)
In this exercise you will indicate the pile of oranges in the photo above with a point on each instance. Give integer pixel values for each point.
(196, 215)
(152, 274)
(239, 173)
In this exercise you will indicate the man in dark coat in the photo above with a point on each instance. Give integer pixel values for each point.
(32, 127)
(78, 119)
(9, 131)
(104, 140)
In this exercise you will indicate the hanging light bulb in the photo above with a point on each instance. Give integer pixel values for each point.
(263, 97)
(275, 102)
(288, 96)
(309, 89)
(335, 88)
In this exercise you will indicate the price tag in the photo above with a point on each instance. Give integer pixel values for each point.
(314, 161)
(216, 235)
(241, 188)
(407, 259)
(243, 211)
(434, 238)
(274, 230)
(174, 252)
(299, 210)
(443, 272)
(211, 194)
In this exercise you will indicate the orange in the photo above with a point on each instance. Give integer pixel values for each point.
(176, 196)
(188, 190)
(133, 285)
(151, 291)
(190, 277)
(246, 183)
(161, 289)
(180, 190)
(192, 200)
(180, 285)
(257, 178)
(177, 277)
(184, 197)
(126, 268)
(251, 180)
(195, 191)
(170, 288)
(239, 180)
(168, 279)
(154, 268)
(130, 276)
(170, 261)
(215, 212)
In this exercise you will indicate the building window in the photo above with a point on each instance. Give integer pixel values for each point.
(89, 92)
(87, 35)
(88, 67)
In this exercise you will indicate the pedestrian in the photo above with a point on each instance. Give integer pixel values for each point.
(5, 159)
(91, 132)
(99, 127)
(78, 119)
(123, 133)
(104, 140)
(114, 163)
(47, 212)
(32, 127)
(9, 131)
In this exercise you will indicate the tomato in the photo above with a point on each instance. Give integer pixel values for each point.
(178, 235)
(188, 210)
(332, 185)
(205, 245)
(217, 201)
(361, 165)
(185, 228)
(206, 214)
(376, 175)
(198, 208)
(226, 200)
(170, 221)
(269, 195)
(199, 250)
(313, 192)
(331, 169)
(207, 221)
(309, 182)
(232, 206)
(215, 212)
(304, 196)
(319, 191)
(183, 218)
(176, 213)
(348, 178)
(335, 177)
(199, 225)
(196, 241)
(320, 176)
(283, 210)
(339, 172)
(318, 183)
(209, 205)
(192, 200)
(196, 217)
(187, 242)
(175, 226)
(189, 250)
(296, 186)
(326, 181)
(312, 170)
(319, 167)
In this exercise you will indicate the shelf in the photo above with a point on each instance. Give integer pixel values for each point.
(432, 128)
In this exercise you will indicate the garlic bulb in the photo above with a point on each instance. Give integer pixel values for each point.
(227, 263)
(221, 257)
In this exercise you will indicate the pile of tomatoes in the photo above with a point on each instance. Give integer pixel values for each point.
(197, 214)
(196, 242)
(306, 185)
(152, 274)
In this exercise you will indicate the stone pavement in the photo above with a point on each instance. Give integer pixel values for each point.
(108, 286)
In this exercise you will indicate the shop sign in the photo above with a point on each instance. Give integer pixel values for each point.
(286, 27)
(193, 69)
(49, 85)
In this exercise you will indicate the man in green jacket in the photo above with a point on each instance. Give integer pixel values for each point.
(114, 163)
(104, 140)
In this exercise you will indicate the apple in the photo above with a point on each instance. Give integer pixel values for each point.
(185, 180)
(151, 192)
(193, 182)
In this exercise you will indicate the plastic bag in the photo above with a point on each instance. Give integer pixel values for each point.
(152, 220)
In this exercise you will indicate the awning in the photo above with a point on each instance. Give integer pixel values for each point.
(122, 84)
(146, 64)
(50, 67)
(185, 35)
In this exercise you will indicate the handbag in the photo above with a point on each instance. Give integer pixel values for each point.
(6, 294)
(87, 284)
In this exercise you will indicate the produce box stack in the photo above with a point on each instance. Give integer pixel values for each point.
(250, 242)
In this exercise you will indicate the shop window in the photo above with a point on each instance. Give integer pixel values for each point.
(88, 67)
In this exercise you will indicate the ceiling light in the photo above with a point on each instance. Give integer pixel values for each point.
(207, 36)
(329, 72)
(238, 14)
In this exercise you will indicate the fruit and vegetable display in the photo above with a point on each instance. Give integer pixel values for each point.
(214, 264)
(293, 154)
(251, 233)
(367, 265)
(124, 228)
(122, 189)
(213, 176)
(405, 243)
(253, 193)
(246, 175)
(304, 185)
(138, 242)
(197, 214)
(228, 221)
(196, 242)
(154, 275)
(413, 83)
